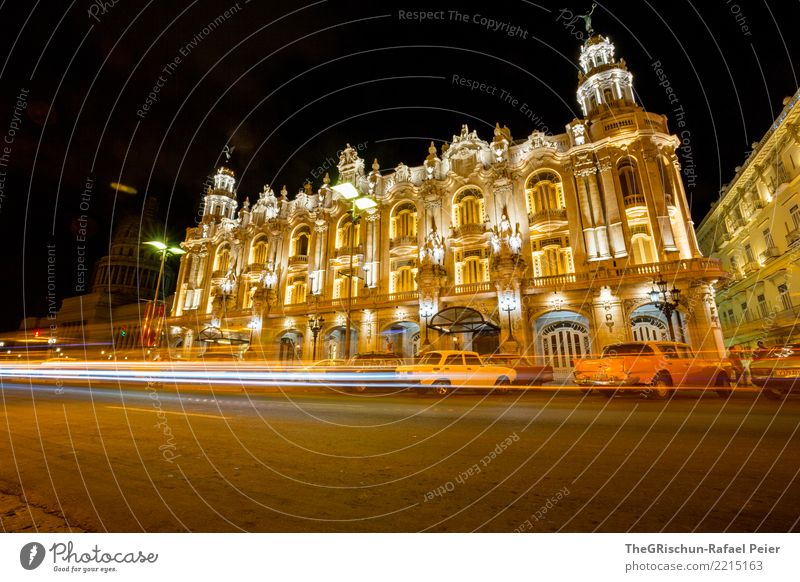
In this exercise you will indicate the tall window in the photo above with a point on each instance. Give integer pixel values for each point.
(343, 279)
(347, 235)
(552, 257)
(299, 244)
(644, 251)
(404, 280)
(628, 179)
(748, 252)
(544, 192)
(763, 308)
(468, 207)
(473, 271)
(296, 291)
(795, 212)
(223, 261)
(786, 299)
(404, 220)
(745, 312)
(258, 255)
(768, 238)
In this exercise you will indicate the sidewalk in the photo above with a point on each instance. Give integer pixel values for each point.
(17, 516)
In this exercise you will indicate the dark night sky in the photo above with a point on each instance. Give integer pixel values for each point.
(288, 83)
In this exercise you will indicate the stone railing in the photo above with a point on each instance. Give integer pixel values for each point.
(298, 260)
(634, 200)
(402, 241)
(470, 288)
(649, 270)
(347, 251)
(469, 230)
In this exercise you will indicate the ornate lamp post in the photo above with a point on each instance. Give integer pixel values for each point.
(508, 303)
(315, 324)
(667, 301)
(164, 250)
(426, 311)
(360, 202)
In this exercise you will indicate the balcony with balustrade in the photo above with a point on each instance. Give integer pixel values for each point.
(345, 251)
(403, 243)
(469, 231)
(701, 267)
(548, 220)
(298, 261)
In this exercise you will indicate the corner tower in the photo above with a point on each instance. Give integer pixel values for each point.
(220, 199)
(604, 82)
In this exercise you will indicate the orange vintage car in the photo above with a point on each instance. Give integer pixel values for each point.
(653, 369)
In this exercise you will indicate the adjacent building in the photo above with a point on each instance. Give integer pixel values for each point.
(754, 229)
(546, 244)
(112, 315)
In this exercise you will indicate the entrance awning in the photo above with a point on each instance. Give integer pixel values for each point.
(461, 320)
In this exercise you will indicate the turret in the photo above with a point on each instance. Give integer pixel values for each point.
(604, 82)
(220, 198)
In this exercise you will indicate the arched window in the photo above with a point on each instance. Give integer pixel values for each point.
(296, 291)
(473, 271)
(300, 242)
(468, 207)
(343, 279)
(347, 235)
(258, 254)
(403, 276)
(404, 220)
(544, 191)
(628, 180)
(223, 260)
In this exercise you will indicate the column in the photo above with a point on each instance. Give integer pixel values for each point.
(597, 211)
(613, 203)
(585, 210)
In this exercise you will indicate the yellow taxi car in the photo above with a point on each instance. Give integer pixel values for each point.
(445, 370)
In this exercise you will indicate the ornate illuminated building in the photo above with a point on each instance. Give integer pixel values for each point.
(547, 245)
(754, 228)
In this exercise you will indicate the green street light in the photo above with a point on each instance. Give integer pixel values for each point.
(360, 202)
(164, 249)
(347, 190)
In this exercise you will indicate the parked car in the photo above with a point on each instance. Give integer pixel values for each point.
(368, 369)
(777, 371)
(373, 370)
(444, 370)
(654, 369)
(529, 373)
(322, 365)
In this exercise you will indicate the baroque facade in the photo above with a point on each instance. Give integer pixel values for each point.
(546, 245)
(754, 229)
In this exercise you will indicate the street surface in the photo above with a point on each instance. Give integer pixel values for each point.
(153, 459)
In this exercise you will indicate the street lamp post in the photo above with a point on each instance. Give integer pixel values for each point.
(509, 304)
(315, 325)
(163, 249)
(426, 311)
(667, 301)
(360, 202)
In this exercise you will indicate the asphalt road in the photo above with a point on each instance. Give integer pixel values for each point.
(153, 460)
